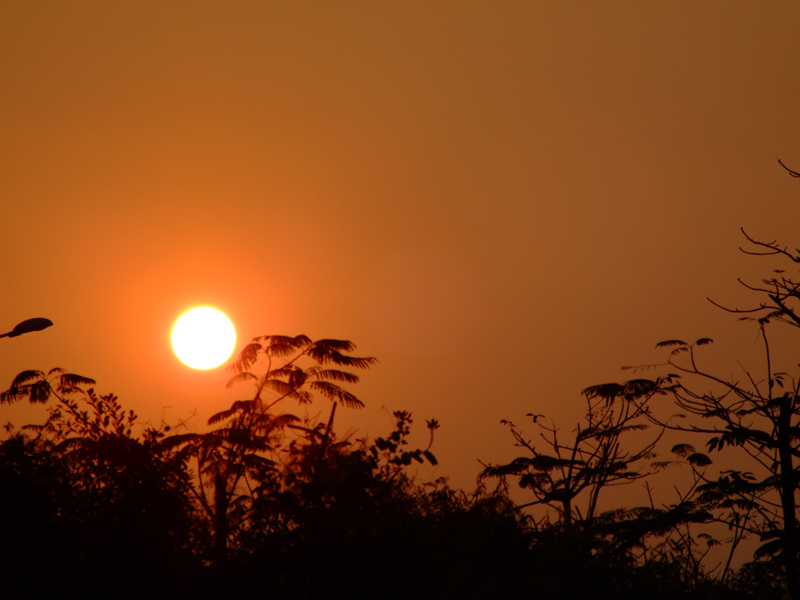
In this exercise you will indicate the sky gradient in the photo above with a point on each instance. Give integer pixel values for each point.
(502, 202)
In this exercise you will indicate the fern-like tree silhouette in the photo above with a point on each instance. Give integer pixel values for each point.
(38, 387)
(239, 455)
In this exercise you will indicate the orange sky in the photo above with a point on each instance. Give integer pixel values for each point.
(503, 202)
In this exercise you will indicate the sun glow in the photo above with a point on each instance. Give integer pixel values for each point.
(203, 338)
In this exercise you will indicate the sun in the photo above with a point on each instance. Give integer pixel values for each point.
(203, 338)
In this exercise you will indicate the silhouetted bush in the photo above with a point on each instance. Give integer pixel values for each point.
(87, 512)
(283, 508)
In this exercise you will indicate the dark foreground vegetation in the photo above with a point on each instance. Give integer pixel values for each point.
(89, 510)
(269, 504)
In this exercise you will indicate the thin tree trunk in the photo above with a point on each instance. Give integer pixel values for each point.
(220, 520)
(788, 506)
(566, 514)
(330, 425)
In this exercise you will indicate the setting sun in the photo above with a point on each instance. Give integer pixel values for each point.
(203, 338)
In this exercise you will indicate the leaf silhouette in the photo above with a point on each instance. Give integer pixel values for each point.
(682, 450)
(698, 459)
(668, 343)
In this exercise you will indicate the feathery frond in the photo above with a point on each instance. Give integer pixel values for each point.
(682, 450)
(240, 377)
(236, 408)
(667, 343)
(332, 374)
(26, 377)
(335, 393)
(69, 382)
(247, 358)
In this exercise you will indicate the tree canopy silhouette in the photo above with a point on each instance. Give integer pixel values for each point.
(95, 504)
(756, 415)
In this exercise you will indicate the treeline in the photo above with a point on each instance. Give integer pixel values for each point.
(267, 503)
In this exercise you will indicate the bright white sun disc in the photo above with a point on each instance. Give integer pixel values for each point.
(203, 338)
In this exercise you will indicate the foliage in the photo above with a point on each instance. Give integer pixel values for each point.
(593, 460)
(77, 485)
(269, 501)
(238, 458)
(756, 416)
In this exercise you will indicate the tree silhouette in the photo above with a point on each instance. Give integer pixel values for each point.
(593, 460)
(105, 504)
(269, 501)
(238, 457)
(757, 414)
(38, 387)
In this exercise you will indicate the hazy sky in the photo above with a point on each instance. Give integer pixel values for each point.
(502, 201)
